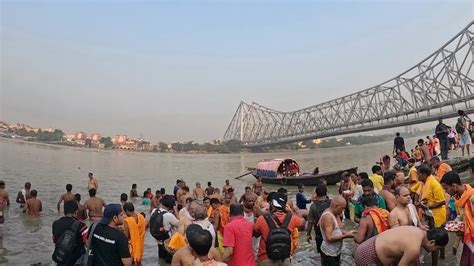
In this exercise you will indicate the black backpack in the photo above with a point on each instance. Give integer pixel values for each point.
(278, 241)
(66, 244)
(459, 126)
(156, 226)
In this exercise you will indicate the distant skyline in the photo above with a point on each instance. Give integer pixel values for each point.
(177, 71)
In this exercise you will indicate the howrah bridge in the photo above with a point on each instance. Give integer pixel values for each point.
(434, 88)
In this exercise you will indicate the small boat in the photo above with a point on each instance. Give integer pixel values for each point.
(287, 172)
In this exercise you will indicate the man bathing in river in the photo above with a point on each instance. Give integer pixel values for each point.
(66, 197)
(33, 205)
(226, 187)
(92, 183)
(198, 192)
(4, 200)
(24, 195)
(133, 191)
(94, 206)
(81, 210)
(399, 246)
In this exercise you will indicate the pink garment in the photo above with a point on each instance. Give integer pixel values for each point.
(436, 145)
(238, 234)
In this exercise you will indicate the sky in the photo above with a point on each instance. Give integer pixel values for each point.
(177, 70)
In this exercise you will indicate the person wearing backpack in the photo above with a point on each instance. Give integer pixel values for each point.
(69, 236)
(321, 203)
(163, 223)
(275, 229)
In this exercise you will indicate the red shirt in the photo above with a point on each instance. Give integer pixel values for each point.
(261, 227)
(238, 234)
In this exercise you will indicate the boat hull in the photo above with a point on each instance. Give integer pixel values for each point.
(308, 179)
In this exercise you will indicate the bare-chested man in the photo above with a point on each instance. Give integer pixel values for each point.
(67, 196)
(24, 194)
(133, 191)
(155, 201)
(94, 206)
(251, 213)
(248, 190)
(33, 205)
(250, 210)
(404, 213)
(226, 187)
(217, 195)
(400, 246)
(258, 186)
(185, 255)
(209, 190)
(185, 195)
(262, 203)
(230, 194)
(81, 210)
(367, 225)
(386, 192)
(4, 200)
(92, 183)
(198, 192)
(180, 190)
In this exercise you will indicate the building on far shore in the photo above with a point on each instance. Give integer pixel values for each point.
(119, 139)
(81, 136)
(96, 137)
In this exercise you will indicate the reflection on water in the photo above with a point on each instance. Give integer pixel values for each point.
(28, 240)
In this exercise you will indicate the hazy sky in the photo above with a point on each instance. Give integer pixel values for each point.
(178, 71)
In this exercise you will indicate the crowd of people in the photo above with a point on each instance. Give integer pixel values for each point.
(445, 139)
(396, 218)
(397, 211)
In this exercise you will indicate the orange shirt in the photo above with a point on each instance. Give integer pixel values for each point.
(465, 203)
(442, 169)
(224, 217)
(137, 236)
(210, 211)
(261, 227)
(224, 214)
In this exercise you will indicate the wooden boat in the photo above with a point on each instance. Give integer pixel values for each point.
(287, 172)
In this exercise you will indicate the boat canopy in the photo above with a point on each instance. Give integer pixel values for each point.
(278, 168)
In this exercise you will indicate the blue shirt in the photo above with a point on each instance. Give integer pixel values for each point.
(301, 201)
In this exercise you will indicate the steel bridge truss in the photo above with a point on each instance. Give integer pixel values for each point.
(436, 87)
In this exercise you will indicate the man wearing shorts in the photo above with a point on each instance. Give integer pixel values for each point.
(462, 127)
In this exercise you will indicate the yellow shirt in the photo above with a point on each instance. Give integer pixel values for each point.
(377, 180)
(415, 185)
(433, 192)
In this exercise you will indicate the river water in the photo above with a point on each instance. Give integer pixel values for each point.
(49, 168)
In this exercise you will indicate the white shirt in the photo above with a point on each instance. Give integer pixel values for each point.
(207, 225)
(170, 222)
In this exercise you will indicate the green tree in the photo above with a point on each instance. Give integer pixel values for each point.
(176, 146)
(107, 141)
(233, 145)
(88, 143)
(162, 146)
